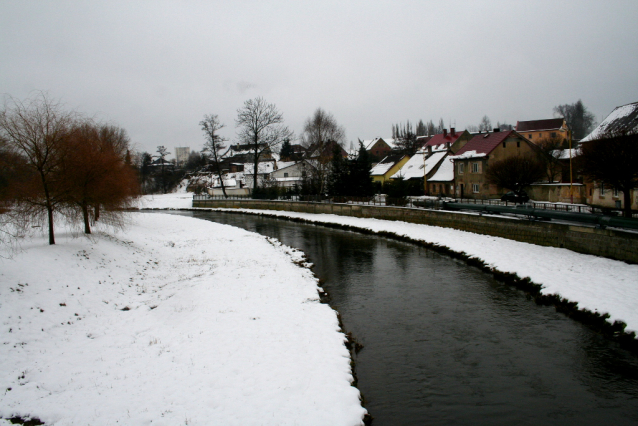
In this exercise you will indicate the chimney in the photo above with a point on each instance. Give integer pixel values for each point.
(452, 131)
(444, 133)
(429, 150)
(447, 145)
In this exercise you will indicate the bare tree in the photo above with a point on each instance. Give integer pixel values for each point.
(162, 152)
(548, 151)
(516, 172)
(579, 120)
(38, 129)
(214, 144)
(321, 129)
(613, 161)
(261, 128)
(485, 125)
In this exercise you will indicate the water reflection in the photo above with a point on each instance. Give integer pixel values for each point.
(445, 344)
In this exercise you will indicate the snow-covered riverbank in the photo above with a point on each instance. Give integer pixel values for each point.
(173, 321)
(596, 284)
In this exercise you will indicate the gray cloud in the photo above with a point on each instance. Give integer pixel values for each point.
(156, 69)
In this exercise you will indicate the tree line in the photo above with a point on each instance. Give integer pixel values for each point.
(55, 163)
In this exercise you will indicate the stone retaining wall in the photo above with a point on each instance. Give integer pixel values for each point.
(600, 242)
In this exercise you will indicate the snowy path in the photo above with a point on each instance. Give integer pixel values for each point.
(173, 321)
(597, 284)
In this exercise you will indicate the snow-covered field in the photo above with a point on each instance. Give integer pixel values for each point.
(174, 321)
(597, 284)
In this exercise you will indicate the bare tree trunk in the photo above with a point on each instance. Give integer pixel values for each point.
(50, 216)
(221, 179)
(85, 215)
(49, 205)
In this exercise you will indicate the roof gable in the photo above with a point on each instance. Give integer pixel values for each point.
(486, 142)
(622, 118)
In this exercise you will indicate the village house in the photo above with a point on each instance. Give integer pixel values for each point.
(288, 174)
(377, 148)
(387, 167)
(622, 119)
(537, 130)
(452, 141)
(471, 161)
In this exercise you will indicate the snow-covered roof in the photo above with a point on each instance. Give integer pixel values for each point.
(416, 167)
(483, 144)
(468, 154)
(386, 164)
(369, 143)
(284, 164)
(445, 173)
(622, 118)
(264, 167)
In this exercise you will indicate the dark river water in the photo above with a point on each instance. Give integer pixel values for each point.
(446, 344)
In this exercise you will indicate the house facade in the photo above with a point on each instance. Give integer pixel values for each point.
(537, 130)
(472, 161)
(377, 148)
(622, 119)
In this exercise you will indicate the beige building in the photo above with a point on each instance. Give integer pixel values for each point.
(537, 130)
(471, 162)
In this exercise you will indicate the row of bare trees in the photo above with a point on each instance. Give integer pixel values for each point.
(59, 164)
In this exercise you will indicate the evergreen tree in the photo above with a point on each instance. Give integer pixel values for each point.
(361, 182)
(338, 174)
(420, 129)
(286, 152)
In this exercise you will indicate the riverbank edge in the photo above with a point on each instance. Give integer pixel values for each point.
(593, 320)
(609, 242)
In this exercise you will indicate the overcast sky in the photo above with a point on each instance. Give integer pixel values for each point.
(156, 67)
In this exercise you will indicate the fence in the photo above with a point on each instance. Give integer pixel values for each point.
(432, 203)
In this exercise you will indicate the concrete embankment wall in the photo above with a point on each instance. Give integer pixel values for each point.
(600, 242)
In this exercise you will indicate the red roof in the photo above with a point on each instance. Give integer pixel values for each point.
(484, 143)
(441, 138)
(536, 125)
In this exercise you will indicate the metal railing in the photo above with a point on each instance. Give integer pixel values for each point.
(533, 210)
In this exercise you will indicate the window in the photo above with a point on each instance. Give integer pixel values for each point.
(553, 134)
(285, 174)
(540, 135)
(602, 189)
(615, 193)
(475, 167)
(530, 136)
(475, 188)
(518, 144)
(461, 168)
(504, 146)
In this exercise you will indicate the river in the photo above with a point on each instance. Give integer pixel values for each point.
(447, 344)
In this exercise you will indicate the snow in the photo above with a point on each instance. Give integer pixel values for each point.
(170, 322)
(413, 168)
(445, 173)
(468, 154)
(618, 113)
(381, 168)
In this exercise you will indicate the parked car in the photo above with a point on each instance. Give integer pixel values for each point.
(516, 197)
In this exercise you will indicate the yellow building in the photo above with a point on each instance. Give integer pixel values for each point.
(391, 164)
(537, 130)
